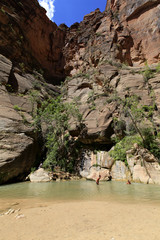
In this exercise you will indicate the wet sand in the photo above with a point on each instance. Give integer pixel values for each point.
(80, 220)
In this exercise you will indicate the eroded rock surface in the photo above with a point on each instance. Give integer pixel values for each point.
(20, 145)
(141, 166)
(144, 167)
(30, 39)
(104, 58)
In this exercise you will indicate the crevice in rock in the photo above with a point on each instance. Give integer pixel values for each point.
(85, 85)
(124, 46)
(12, 84)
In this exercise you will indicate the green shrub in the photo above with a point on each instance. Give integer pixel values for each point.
(61, 146)
(147, 73)
(33, 169)
(158, 68)
(17, 108)
(2, 10)
(36, 85)
(22, 67)
(119, 151)
(150, 142)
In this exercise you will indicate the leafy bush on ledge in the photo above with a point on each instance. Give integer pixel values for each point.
(119, 151)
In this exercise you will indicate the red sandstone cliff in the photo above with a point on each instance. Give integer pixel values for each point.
(29, 38)
(128, 31)
(94, 53)
(139, 21)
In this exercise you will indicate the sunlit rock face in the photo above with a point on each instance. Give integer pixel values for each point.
(128, 31)
(103, 57)
(97, 48)
(40, 175)
(141, 166)
(138, 21)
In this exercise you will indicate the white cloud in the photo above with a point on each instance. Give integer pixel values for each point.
(49, 6)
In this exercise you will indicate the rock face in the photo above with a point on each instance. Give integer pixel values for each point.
(126, 31)
(16, 144)
(142, 166)
(120, 171)
(30, 39)
(137, 35)
(88, 94)
(19, 144)
(98, 53)
(104, 58)
(96, 163)
(98, 92)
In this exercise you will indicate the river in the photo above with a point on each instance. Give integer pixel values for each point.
(80, 190)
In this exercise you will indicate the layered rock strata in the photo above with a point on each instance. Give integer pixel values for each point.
(103, 57)
(20, 145)
(128, 32)
(98, 94)
(30, 40)
(141, 166)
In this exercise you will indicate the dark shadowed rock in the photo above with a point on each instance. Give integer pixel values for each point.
(5, 69)
(30, 39)
(19, 144)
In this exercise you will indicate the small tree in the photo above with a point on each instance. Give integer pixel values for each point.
(55, 114)
(131, 107)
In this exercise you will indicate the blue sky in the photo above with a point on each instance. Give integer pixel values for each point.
(70, 11)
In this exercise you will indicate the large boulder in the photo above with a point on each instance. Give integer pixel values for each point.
(140, 174)
(154, 172)
(17, 154)
(94, 174)
(119, 171)
(40, 175)
(94, 163)
(143, 165)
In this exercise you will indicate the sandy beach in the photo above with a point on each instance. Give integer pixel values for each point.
(81, 220)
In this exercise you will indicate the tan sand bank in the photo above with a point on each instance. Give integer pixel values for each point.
(91, 220)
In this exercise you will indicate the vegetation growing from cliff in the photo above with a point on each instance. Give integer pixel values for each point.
(54, 116)
(158, 68)
(145, 136)
(119, 151)
(150, 142)
(150, 72)
(147, 73)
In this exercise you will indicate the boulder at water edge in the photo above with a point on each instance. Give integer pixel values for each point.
(40, 175)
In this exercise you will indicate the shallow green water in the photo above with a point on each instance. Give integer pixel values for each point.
(82, 190)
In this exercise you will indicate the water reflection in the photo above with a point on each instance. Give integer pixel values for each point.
(82, 190)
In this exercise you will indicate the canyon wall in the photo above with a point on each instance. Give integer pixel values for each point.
(30, 40)
(127, 32)
(102, 59)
